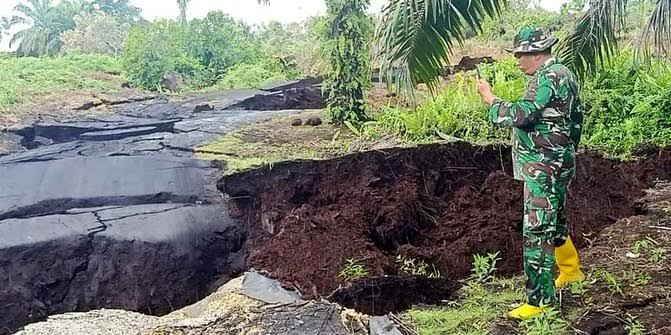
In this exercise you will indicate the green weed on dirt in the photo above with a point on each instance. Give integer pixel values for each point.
(473, 314)
(276, 140)
(21, 78)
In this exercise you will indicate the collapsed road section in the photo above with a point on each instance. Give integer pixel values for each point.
(438, 203)
(113, 211)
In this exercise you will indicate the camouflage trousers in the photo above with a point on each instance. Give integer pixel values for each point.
(544, 228)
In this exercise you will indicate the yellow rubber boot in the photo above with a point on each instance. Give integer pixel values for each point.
(525, 311)
(569, 265)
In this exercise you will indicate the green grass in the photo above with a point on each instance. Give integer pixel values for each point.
(273, 141)
(241, 155)
(481, 304)
(23, 77)
(456, 112)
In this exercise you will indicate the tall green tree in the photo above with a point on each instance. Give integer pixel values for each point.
(45, 21)
(416, 37)
(122, 10)
(348, 52)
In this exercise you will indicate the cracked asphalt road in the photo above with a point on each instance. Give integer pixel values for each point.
(114, 212)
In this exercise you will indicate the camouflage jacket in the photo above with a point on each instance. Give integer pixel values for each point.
(546, 122)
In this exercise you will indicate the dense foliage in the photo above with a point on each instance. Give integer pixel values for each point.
(201, 52)
(348, 52)
(625, 105)
(96, 32)
(46, 20)
(518, 15)
(220, 52)
(457, 112)
(628, 104)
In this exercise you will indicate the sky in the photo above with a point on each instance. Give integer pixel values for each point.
(247, 10)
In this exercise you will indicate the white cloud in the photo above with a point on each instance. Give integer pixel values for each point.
(248, 10)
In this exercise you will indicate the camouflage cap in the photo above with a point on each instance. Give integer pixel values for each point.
(532, 40)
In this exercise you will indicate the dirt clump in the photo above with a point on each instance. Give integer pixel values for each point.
(381, 295)
(438, 203)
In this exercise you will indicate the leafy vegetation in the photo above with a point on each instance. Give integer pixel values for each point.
(411, 266)
(634, 326)
(416, 37)
(348, 51)
(352, 270)
(518, 14)
(46, 20)
(484, 267)
(458, 112)
(95, 33)
(200, 53)
(549, 322)
(626, 104)
(219, 52)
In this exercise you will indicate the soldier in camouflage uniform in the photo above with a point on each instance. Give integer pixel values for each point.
(546, 126)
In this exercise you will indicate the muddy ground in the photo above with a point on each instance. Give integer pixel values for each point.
(437, 203)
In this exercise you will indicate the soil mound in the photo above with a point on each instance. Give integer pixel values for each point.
(437, 203)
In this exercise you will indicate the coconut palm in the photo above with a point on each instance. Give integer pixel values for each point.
(415, 37)
(46, 22)
(120, 9)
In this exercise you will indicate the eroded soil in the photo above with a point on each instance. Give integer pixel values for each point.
(437, 203)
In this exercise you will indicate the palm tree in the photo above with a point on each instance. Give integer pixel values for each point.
(46, 22)
(182, 10)
(120, 9)
(415, 37)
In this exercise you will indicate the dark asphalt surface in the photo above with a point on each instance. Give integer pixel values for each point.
(114, 211)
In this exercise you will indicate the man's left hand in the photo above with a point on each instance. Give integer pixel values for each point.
(485, 90)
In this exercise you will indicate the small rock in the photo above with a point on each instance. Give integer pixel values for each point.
(297, 122)
(172, 81)
(43, 140)
(630, 254)
(203, 108)
(88, 105)
(313, 121)
(381, 325)
(270, 291)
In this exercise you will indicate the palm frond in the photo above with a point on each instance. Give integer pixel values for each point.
(593, 40)
(18, 37)
(656, 37)
(415, 37)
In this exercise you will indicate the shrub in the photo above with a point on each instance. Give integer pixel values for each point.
(219, 42)
(458, 111)
(95, 32)
(152, 50)
(626, 104)
(201, 52)
(250, 76)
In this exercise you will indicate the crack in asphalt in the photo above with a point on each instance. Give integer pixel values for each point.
(97, 213)
(62, 206)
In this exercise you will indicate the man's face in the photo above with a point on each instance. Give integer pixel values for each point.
(528, 63)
